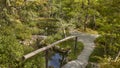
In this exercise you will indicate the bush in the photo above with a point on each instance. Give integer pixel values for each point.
(10, 51)
(107, 48)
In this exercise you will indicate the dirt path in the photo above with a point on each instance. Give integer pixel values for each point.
(88, 41)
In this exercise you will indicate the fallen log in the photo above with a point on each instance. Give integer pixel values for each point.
(45, 48)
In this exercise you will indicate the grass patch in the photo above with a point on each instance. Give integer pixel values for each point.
(69, 44)
(88, 30)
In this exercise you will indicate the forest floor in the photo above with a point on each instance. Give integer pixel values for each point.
(88, 41)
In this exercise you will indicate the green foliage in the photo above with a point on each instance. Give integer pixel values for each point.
(52, 38)
(37, 61)
(49, 27)
(10, 51)
(69, 44)
(20, 19)
(108, 62)
(105, 48)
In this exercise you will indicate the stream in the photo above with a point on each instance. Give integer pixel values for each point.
(55, 61)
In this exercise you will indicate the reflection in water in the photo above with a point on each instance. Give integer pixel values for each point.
(55, 61)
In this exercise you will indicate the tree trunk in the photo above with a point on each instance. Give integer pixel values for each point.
(82, 4)
(117, 56)
(88, 2)
(87, 15)
(85, 22)
(94, 20)
(64, 32)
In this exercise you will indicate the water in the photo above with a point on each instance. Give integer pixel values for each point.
(55, 60)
